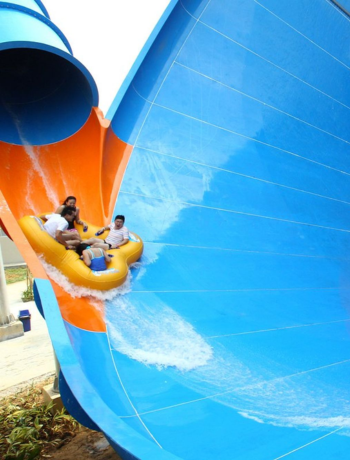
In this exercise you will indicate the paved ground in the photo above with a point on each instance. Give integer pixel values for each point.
(27, 358)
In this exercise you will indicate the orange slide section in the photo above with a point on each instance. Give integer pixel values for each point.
(36, 179)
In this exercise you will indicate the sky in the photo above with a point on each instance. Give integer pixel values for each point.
(106, 36)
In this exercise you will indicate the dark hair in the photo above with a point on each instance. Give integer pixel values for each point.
(120, 217)
(81, 247)
(67, 210)
(69, 198)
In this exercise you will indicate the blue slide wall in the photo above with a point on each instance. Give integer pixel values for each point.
(239, 184)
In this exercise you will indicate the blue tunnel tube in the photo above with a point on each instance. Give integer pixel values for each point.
(46, 94)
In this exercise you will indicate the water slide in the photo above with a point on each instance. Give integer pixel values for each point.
(228, 150)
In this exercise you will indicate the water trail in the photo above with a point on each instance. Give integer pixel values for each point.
(258, 391)
(34, 155)
(152, 332)
(155, 335)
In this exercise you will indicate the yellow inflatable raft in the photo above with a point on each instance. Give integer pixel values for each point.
(69, 263)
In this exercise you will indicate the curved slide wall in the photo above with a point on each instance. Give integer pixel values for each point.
(228, 148)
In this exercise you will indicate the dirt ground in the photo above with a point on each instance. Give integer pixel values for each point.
(82, 444)
(85, 445)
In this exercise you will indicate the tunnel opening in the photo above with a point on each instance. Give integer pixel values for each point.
(44, 98)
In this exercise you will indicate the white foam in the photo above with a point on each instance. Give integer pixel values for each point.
(303, 422)
(155, 335)
(251, 417)
(80, 291)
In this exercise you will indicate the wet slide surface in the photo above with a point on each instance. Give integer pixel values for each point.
(233, 340)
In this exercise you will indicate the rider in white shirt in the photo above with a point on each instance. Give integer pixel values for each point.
(56, 226)
(118, 235)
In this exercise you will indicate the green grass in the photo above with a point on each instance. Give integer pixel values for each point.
(13, 275)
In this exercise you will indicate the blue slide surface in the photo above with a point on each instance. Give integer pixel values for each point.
(239, 183)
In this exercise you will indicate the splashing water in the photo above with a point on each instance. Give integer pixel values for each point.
(155, 335)
(161, 338)
(80, 291)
